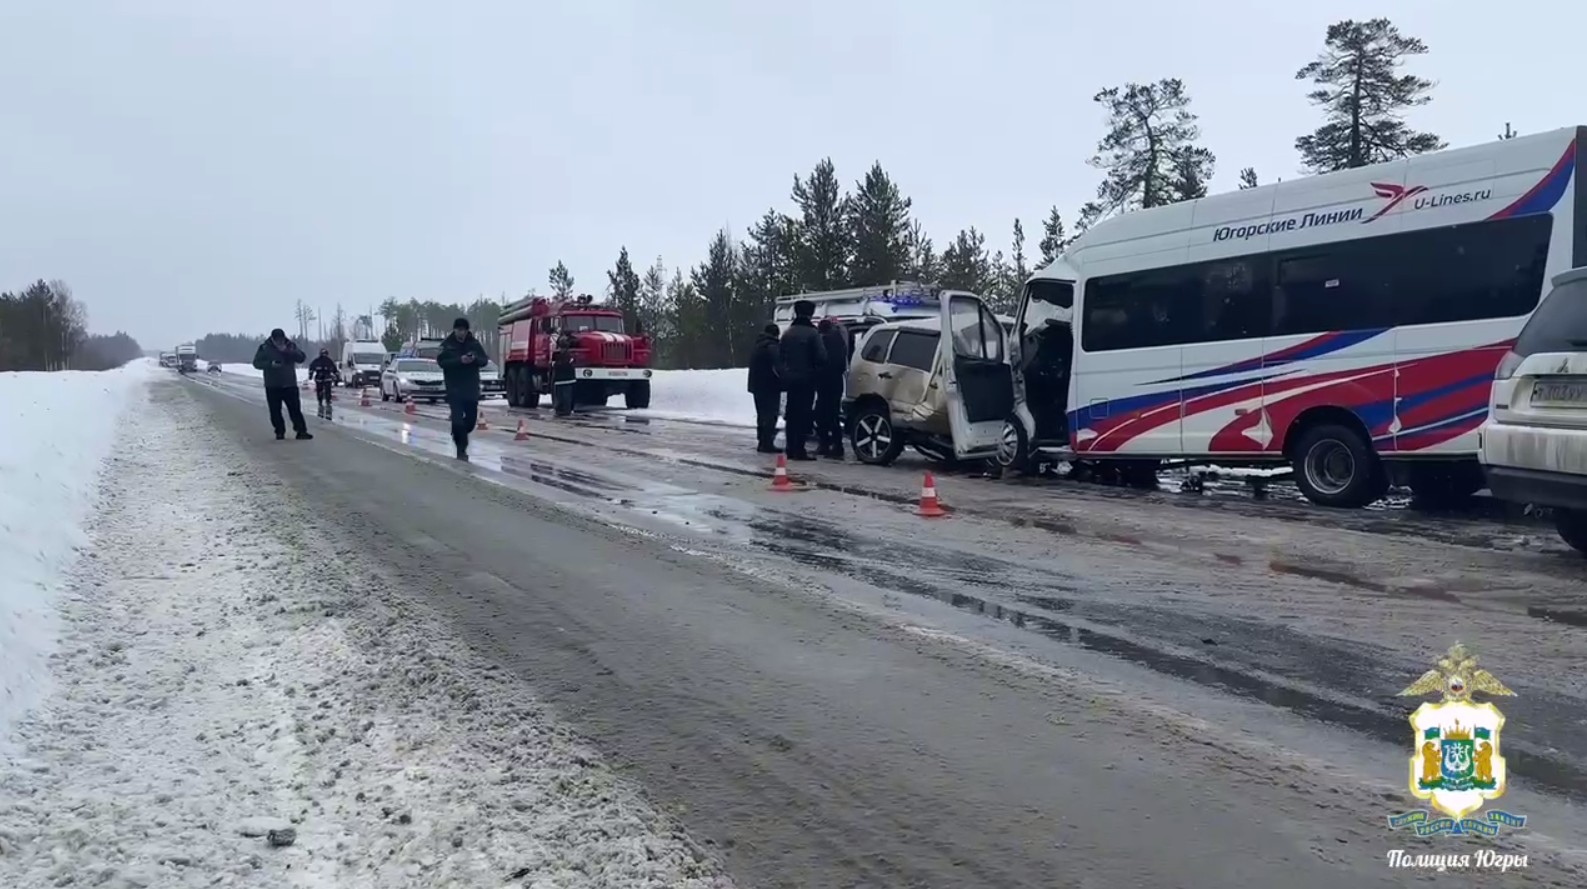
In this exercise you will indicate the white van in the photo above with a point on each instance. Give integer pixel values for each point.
(361, 363)
(1347, 324)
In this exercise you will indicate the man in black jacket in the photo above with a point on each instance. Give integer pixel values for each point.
(829, 389)
(801, 356)
(324, 372)
(278, 357)
(563, 383)
(461, 358)
(766, 388)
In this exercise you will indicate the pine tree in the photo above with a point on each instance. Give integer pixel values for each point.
(925, 266)
(713, 281)
(561, 281)
(1364, 98)
(1053, 243)
(1000, 285)
(965, 265)
(768, 267)
(824, 232)
(654, 314)
(1192, 170)
(1019, 269)
(692, 330)
(1148, 124)
(1248, 178)
(879, 230)
(623, 289)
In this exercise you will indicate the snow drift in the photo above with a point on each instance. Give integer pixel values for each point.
(60, 427)
(707, 396)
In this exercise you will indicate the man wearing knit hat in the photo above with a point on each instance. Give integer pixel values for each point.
(461, 358)
(277, 359)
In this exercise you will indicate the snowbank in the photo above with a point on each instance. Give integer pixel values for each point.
(247, 370)
(715, 396)
(60, 427)
(711, 396)
(238, 667)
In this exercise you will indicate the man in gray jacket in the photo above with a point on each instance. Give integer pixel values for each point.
(278, 358)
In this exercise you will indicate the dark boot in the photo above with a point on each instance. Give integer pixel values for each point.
(303, 436)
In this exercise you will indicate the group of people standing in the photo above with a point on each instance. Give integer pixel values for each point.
(808, 364)
(461, 358)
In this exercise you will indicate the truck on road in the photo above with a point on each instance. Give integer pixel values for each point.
(607, 360)
(187, 358)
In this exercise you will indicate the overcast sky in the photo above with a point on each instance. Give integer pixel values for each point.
(194, 165)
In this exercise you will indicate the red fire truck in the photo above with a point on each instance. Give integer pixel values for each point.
(606, 359)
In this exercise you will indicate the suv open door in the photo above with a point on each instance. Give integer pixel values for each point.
(973, 356)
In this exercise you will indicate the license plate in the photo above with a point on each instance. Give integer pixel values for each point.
(1572, 393)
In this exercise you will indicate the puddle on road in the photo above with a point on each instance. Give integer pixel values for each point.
(1050, 607)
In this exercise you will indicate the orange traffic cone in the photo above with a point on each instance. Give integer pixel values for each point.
(481, 426)
(363, 398)
(779, 478)
(930, 508)
(523, 431)
(411, 408)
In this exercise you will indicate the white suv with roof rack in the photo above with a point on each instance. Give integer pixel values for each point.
(1534, 444)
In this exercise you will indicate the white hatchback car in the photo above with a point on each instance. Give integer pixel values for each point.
(1534, 444)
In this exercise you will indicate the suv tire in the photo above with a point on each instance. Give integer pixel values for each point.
(1013, 446)
(1572, 527)
(873, 436)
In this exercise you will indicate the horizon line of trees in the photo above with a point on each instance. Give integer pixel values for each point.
(1150, 155)
(43, 327)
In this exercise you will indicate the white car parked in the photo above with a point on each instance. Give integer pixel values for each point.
(1534, 444)
(412, 378)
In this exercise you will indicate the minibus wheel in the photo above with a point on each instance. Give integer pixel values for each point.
(1336, 466)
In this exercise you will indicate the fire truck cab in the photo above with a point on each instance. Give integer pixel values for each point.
(607, 360)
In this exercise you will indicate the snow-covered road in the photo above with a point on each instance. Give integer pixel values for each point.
(224, 670)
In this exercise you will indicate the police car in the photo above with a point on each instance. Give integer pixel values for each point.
(413, 379)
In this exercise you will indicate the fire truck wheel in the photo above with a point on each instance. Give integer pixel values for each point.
(638, 395)
(528, 392)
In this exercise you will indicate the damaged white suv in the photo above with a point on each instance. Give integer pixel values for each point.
(1534, 444)
(945, 396)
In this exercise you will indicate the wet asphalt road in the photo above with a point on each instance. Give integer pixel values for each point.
(816, 746)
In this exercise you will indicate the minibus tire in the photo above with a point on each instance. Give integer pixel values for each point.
(1572, 527)
(1335, 466)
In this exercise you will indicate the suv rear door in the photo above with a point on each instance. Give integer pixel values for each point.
(973, 356)
(1543, 380)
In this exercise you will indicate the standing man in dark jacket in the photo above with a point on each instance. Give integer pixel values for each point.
(801, 356)
(324, 372)
(563, 383)
(461, 358)
(766, 388)
(829, 389)
(279, 357)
